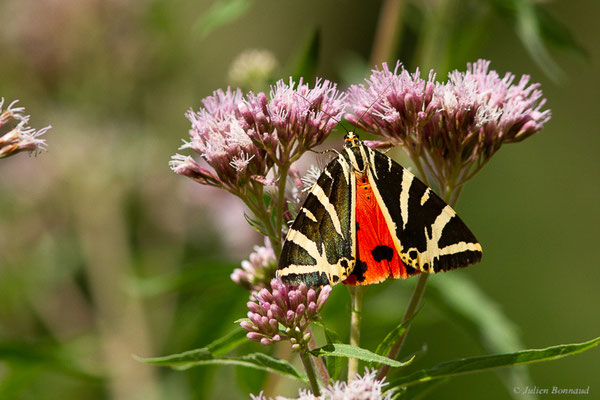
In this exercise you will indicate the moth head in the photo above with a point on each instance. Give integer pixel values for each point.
(351, 139)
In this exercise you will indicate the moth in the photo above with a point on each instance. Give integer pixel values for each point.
(367, 219)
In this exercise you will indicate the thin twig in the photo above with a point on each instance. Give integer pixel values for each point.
(388, 31)
(356, 293)
(412, 308)
(310, 372)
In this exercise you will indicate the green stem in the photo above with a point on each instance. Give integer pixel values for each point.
(450, 195)
(388, 31)
(279, 206)
(412, 308)
(433, 43)
(310, 372)
(356, 293)
(321, 367)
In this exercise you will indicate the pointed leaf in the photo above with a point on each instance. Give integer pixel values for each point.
(194, 358)
(467, 305)
(348, 351)
(483, 363)
(420, 391)
(230, 341)
(306, 66)
(222, 12)
(391, 338)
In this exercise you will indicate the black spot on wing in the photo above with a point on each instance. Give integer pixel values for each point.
(359, 270)
(410, 270)
(380, 253)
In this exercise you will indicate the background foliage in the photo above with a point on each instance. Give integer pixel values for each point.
(105, 253)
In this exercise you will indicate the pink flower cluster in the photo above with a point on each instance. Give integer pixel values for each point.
(20, 137)
(242, 137)
(292, 307)
(452, 128)
(258, 270)
(365, 387)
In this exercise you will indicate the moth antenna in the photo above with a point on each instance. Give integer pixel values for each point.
(360, 118)
(325, 112)
(324, 151)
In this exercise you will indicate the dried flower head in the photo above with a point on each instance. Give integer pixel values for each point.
(218, 136)
(258, 270)
(450, 129)
(19, 137)
(253, 69)
(365, 387)
(284, 312)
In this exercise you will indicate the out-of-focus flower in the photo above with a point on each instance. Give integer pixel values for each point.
(217, 135)
(253, 69)
(294, 119)
(292, 307)
(449, 129)
(258, 270)
(20, 137)
(364, 387)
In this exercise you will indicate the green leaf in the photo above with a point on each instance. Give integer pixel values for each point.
(467, 305)
(230, 341)
(556, 33)
(390, 339)
(222, 12)
(257, 225)
(306, 66)
(194, 358)
(483, 363)
(47, 356)
(348, 351)
(419, 391)
(526, 18)
(334, 364)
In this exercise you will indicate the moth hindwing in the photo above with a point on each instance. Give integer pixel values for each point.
(367, 219)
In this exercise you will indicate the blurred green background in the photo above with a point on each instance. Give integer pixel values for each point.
(105, 253)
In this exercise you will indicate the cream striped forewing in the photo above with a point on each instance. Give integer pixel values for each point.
(319, 247)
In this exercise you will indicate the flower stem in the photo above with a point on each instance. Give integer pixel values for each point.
(388, 31)
(413, 305)
(356, 293)
(451, 196)
(310, 372)
(321, 367)
(279, 206)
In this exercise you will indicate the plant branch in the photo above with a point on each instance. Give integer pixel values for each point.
(310, 372)
(412, 308)
(279, 206)
(388, 31)
(318, 361)
(356, 293)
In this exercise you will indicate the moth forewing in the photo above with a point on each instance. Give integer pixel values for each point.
(319, 247)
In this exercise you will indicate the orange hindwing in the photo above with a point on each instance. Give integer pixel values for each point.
(376, 258)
